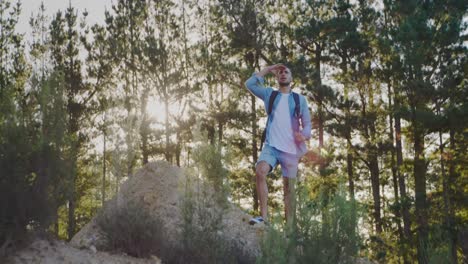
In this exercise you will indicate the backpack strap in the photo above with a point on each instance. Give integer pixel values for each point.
(273, 96)
(272, 100)
(297, 108)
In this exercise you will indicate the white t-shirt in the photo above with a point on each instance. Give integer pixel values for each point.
(281, 132)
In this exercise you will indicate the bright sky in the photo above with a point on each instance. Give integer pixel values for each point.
(95, 9)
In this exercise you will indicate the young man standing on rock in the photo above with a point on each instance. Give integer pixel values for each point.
(287, 129)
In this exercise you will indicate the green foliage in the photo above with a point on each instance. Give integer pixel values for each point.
(241, 183)
(32, 167)
(209, 162)
(31, 139)
(202, 229)
(130, 228)
(21, 193)
(438, 247)
(321, 234)
(204, 205)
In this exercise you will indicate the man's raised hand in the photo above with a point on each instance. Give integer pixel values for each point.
(275, 68)
(272, 68)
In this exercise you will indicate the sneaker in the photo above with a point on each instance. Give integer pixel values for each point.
(256, 220)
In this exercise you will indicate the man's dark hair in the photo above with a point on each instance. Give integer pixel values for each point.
(287, 65)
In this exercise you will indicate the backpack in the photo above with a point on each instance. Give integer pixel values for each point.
(297, 111)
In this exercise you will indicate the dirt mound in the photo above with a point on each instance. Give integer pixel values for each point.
(161, 188)
(58, 252)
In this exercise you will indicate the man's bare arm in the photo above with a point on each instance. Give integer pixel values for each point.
(255, 82)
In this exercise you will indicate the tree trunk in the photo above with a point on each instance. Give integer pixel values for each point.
(74, 148)
(144, 129)
(349, 169)
(447, 206)
(71, 215)
(220, 135)
(374, 171)
(394, 169)
(211, 133)
(178, 149)
(450, 184)
(254, 149)
(401, 179)
(72, 201)
(349, 150)
(372, 155)
(420, 192)
(103, 191)
(318, 80)
(167, 151)
(144, 142)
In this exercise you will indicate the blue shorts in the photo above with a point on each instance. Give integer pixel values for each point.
(288, 162)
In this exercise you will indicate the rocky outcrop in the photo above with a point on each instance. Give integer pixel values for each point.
(161, 188)
(59, 252)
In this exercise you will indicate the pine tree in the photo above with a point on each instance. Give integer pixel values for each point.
(416, 37)
(99, 64)
(347, 44)
(163, 61)
(314, 39)
(29, 190)
(124, 26)
(246, 29)
(47, 91)
(65, 44)
(39, 45)
(448, 103)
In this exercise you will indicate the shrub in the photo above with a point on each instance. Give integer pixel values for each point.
(203, 207)
(202, 240)
(131, 229)
(321, 233)
(209, 162)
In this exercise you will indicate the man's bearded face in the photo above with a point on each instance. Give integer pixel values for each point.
(283, 76)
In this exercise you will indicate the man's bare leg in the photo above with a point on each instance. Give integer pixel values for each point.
(261, 172)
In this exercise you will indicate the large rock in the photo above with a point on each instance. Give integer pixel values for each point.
(59, 252)
(161, 188)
